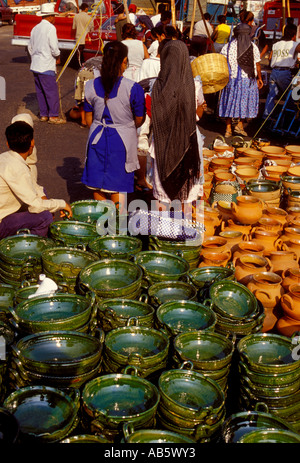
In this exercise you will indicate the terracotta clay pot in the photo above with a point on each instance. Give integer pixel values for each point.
(247, 210)
(233, 237)
(269, 224)
(233, 225)
(215, 244)
(290, 302)
(267, 288)
(215, 259)
(249, 265)
(269, 239)
(290, 277)
(282, 260)
(247, 247)
(276, 213)
(287, 326)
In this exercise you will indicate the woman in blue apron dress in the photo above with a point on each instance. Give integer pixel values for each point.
(115, 107)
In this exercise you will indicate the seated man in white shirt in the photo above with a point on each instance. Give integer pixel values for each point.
(23, 204)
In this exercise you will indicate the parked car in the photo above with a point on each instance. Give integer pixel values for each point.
(6, 13)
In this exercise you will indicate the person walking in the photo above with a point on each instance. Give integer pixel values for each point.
(45, 55)
(240, 98)
(82, 25)
(115, 107)
(137, 51)
(283, 58)
(221, 33)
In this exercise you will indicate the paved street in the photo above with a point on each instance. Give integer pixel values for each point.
(61, 148)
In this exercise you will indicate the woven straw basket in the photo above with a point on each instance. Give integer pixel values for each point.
(213, 70)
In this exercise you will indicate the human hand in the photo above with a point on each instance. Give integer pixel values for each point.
(66, 211)
(260, 84)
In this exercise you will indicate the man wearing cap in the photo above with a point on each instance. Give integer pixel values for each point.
(45, 54)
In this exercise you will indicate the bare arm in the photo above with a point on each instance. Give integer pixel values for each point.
(146, 54)
(260, 83)
(139, 121)
(89, 118)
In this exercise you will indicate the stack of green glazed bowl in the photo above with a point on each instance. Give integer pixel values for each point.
(62, 359)
(115, 246)
(20, 257)
(145, 348)
(270, 373)
(114, 313)
(72, 233)
(237, 309)
(63, 264)
(44, 414)
(184, 316)
(203, 277)
(91, 210)
(109, 401)
(7, 293)
(191, 404)
(209, 353)
(167, 291)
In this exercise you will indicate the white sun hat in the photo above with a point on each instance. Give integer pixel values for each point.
(47, 9)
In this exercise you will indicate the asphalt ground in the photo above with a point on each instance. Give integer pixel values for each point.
(61, 149)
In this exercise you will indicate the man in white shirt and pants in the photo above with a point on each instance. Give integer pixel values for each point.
(45, 54)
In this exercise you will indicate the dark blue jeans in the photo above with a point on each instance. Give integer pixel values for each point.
(280, 79)
(38, 224)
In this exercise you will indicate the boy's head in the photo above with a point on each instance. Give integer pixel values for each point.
(19, 136)
(290, 32)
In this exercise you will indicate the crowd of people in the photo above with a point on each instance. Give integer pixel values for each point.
(142, 106)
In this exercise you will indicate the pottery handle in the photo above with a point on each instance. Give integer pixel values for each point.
(287, 297)
(81, 246)
(100, 334)
(132, 321)
(23, 231)
(261, 406)
(187, 363)
(269, 264)
(127, 430)
(258, 292)
(284, 247)
(143, 298)
(131, 367)
(278, 243)
(233, 207)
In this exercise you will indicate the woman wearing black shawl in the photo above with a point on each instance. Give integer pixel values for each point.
(240, 98)
(177, 145)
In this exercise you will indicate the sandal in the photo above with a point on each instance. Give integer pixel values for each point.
(228, 134)
(56, 120)
(44, 119)
(240, 131)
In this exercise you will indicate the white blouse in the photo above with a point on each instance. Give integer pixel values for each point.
(232, 57)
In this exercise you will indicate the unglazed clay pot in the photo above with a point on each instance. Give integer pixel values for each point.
(249, 265)
(233, 225)
(293, 245)
(269, 224)
(215, 244)
(282, 260)
(267, 288)
(287, 326)
(276, 213)
(290, 302)
(247, 247)
(247, 210)
(215, 259)
(233, 238)
(272, 315)
(269, 239)
(290, 277)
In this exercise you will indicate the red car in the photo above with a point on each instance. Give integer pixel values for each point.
(6, 13)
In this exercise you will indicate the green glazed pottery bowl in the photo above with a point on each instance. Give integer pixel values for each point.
(182, 316)
(110, 278)
(264, 379)
(265, 392)
(233, 301)
(43, 413)
(268, 353)
(161, 266)
(91, 210)
(66, 262)
(116, 399)
(50, 313)
(152, 436)
(85, 439)
(72, 233)
(135, 345)
(17, 249)
(7, 294)
(239, 424)
(207, 351)
(116, 246)
(168, 291)
(190, 394)
(114, 313)
(270, 436)
(59, 353)
(189, 249)
(205, 276)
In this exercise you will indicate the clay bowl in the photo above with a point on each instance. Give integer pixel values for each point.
(244, 161)
(247, 173)
(208, 154)
(256, 154)
(293, 149)
(220, 163)
(275, 172)
(267, 150)
(294, 171)
(224, 177)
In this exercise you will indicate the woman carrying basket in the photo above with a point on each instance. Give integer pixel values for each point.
(240, 98)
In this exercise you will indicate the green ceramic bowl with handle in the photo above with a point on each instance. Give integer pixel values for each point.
(116, 399)
(168, 291)
(50, 313)
(110, 278)
(23, 247)
(205, 276)
(72, 233)
(161, 266)
(153, 436)
(44, 414)
(115, 246)
(66, 261)
(59, 353)
(183, 316)
(270, 436)
(91, 210)
(114, 313)
(269, 353)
